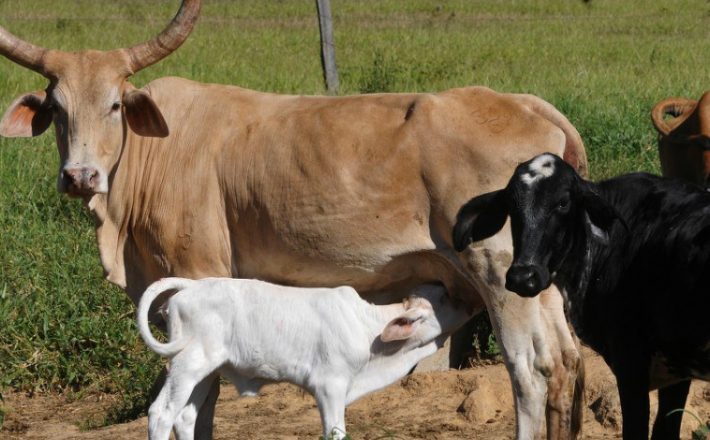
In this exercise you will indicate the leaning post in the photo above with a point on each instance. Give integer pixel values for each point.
(327, 43)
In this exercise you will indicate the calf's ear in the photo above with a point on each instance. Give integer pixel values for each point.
(27, 116)
(599, 215)
(480, 218)
(143, 115)
(403, 326)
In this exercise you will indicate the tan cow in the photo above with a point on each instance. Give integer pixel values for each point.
(684, 140)
(195, 180)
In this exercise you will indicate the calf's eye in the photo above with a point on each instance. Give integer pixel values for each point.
(116, 106)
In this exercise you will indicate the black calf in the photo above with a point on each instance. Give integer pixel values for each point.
(632, 257)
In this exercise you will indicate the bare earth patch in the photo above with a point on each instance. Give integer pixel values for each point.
(473, 403)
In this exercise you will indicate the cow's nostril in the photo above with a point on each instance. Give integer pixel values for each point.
(93, 177)
(80, 180)
(72, 175)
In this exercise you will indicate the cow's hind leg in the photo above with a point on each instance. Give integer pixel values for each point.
(672, 397)
(565, 387)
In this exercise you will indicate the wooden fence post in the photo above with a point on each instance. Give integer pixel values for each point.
(327, 43)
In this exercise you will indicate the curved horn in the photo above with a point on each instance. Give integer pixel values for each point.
(670, 106)
(21, 52)
(152, 51)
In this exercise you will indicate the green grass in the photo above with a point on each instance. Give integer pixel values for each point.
(603, 63)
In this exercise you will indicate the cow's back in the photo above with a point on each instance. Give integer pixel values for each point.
(312, 190)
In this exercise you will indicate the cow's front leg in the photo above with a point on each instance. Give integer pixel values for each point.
(521, 326)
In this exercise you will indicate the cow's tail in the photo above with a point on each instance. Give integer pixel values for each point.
(153, 291)
(574, 153)
(670, 106)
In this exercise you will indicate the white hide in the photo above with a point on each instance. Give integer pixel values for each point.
(328, 341)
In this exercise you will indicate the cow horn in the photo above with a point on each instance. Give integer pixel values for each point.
(670, 106)
(21, 52)
(152, 51)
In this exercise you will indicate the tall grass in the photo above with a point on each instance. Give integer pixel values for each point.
(603, 63)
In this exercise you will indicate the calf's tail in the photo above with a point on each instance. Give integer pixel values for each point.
(170, 348)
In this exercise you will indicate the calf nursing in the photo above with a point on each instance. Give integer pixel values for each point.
(328, 341)
(632, 256)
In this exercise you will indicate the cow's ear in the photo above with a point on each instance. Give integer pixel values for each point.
(403, 326)
(599, 215)
(27, 116)
(143, 115)
(480, 218)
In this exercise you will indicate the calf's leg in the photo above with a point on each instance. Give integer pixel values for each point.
(205, 417)
(158, 426)
(330, 396)
(185, 422)
(632, 380)
(672, 397)
(187, 370)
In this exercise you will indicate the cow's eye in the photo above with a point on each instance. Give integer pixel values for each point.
(116, 107)
(563, 205)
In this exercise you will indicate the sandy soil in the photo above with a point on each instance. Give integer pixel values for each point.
(472, 403)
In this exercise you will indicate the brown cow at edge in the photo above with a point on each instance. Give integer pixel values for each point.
(195, 180)
(684, 140)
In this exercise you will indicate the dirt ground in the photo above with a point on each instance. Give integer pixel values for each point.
(472, 403)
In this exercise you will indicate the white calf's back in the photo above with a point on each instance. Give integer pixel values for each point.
(269, 331)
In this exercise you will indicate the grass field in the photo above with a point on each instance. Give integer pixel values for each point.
(604, 63)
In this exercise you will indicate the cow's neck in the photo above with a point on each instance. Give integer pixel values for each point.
(116, 214)
(110, 240)
(588, 276)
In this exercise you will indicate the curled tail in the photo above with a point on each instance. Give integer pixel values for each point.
(171, 348)
(671, 106)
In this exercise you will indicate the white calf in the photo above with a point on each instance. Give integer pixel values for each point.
(330, 342)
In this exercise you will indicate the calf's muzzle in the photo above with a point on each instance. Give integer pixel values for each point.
(526, 280)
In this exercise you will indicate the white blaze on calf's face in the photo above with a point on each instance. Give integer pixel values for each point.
(542, 167)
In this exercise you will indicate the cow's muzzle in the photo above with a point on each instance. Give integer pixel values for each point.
(80, 181)
(527, 280)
